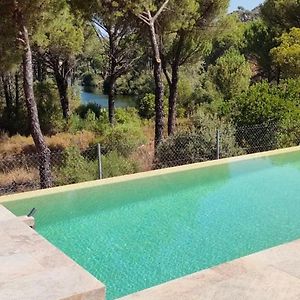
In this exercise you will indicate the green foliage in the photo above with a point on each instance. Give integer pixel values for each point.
(137, 84)
(288, 134)
(124, 139)
(206, 123)
(146, 106)
(62, 35)
(267, 116)
(231, 74)
(229, 35)
(201, 144)
(75, 168)
(127, 116)
(83, 110)
(281, 14)
(262, 103)
(204, 92)
(116, 165)
(88, 80)
(48, 107)
(259, 40)
(287, 54)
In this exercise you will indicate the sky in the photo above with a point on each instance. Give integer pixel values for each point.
(248, 4)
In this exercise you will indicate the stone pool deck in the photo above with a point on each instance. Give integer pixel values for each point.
(32, 268)
(270, 274)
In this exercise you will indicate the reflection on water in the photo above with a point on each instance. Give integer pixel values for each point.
(94, 95)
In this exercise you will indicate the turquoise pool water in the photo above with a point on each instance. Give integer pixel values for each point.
(140, 233)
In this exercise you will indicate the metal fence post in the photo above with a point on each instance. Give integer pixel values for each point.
(218, 138)
(100, 173)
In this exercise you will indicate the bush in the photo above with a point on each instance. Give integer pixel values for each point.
(288, 134)
(127, 115)
(262, 103)
(266, 116)
(123, 139)
(116, 165)
(231, 73)
(48, 103)
(136, 84)
(83, 110)
(75, 168)
(146, 106)
(89, 80)
(200, 144)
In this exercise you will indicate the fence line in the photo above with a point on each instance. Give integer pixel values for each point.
(20, 173)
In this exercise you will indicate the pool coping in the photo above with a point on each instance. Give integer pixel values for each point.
(124, 178)
(33, 268)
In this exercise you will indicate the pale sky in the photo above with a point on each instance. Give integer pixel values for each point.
(248, 4)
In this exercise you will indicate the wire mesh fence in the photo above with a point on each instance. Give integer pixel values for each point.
(20, 173)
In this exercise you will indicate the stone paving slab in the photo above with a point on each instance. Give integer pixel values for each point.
(33, 269)
(273, 274)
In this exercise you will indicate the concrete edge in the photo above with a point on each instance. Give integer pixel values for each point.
(124, 178)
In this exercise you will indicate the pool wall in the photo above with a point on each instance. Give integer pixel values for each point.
(124, 178)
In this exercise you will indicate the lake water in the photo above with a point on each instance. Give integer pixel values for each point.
(94, 95)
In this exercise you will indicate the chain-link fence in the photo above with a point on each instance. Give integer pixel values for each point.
(21, 172)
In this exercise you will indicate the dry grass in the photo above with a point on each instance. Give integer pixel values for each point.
(62, 141)
(19, 176)
(144, 156)
(23, 145)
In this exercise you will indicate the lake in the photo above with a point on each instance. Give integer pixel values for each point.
(94, 95)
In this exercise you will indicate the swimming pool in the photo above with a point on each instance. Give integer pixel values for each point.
(138, 233)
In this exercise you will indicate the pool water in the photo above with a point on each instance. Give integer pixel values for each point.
(140, 233)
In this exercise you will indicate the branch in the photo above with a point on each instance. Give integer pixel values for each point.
(21, 41)
(144, 19)
(160, 10)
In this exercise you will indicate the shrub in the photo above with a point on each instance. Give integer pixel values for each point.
(75, 168)
(266, 116)
(127, 115)
(260, 104)
(88, 79)
(288, 134)
(200, 144)
(116, 165)
(231, 73)
(146, 106)
(83, 110)
(123, 139)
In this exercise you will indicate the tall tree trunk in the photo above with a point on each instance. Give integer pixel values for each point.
(111, 99)
(38, 138)
(173, 83)
(40, 74)
(173, 95)
(62, 85)
(7, 94)
(159, 87)
(17, 95)
(111, 79)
